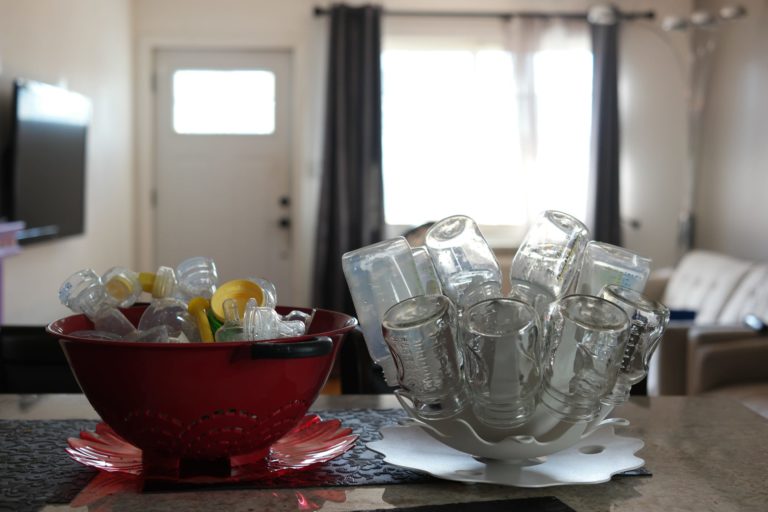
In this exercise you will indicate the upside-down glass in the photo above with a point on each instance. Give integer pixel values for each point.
(648, 319)
(533, 295)
(379, 276)
(502, 360)
(426, 270)
(584, 339)
(421, 333)
(551, 252)
(605, 264)
(461, 256)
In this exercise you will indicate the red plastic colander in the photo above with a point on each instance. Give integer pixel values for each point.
(203, 401)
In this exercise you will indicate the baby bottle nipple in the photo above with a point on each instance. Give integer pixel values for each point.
(260, 323)
(232, 329)
(269, 289)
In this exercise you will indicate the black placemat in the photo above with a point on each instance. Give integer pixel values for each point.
(35, 469)
(538, 504)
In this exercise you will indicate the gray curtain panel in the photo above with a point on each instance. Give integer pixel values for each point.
(351, 212)
(605, 211)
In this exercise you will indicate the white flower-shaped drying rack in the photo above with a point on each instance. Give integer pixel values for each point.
(544, 451)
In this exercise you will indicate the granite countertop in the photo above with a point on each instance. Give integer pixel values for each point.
(705, 453)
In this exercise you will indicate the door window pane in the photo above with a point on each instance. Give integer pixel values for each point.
(238, 102)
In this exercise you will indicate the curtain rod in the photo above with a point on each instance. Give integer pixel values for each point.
(648, 15)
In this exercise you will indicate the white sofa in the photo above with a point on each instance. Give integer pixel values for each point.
(715, 352)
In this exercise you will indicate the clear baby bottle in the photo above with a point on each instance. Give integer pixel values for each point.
(123, 286)
(462, 257)
(84, 292)
(173, 314)
(197, 277)
(379, 276)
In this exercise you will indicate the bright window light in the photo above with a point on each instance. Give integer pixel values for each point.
(211, 102)
(453, 142)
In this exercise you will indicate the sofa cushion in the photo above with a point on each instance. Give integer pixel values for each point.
(703, 282)
(750, 296)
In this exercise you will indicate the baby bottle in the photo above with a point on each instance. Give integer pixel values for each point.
(197, 277)
(84, 292)
(462, 258)
(123, 286)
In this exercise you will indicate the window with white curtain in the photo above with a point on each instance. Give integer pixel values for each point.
(488, 119)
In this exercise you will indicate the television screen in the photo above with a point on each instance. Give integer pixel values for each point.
(45, 179)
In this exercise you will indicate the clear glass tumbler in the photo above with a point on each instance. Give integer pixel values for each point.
(379, 276)
(551, 252)
(605, 264)
(502, 361)
(461, 256)
(421, 333)
(648, 319)
(584, 338)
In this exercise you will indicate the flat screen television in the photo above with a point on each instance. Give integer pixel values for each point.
(44, 172)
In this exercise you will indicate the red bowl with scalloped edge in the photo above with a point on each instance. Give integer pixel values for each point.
(203, 401)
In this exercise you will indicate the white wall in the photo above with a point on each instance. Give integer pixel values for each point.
(653, 77)
(86, 45)
(733, 177)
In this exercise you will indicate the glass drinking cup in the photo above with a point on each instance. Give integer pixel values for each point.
(461, 256)
(380, 276)
(605, 264)
(585, 338)
(502, 361)
(648, 319)
(551, 252)
(421, 333)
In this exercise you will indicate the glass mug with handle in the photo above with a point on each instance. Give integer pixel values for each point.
(421, 334)
(584, 341)
(648, 320)
(502, 360)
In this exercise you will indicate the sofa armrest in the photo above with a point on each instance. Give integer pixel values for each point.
(725, 355)
(716, 333)
(667, 368)
(657, 283)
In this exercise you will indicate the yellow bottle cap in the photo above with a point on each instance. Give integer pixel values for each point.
(147, 280)
(240, 290)
(119, 287)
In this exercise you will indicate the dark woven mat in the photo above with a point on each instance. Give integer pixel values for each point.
(35, 469)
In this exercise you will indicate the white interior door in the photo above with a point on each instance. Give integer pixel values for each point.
(223, 148)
